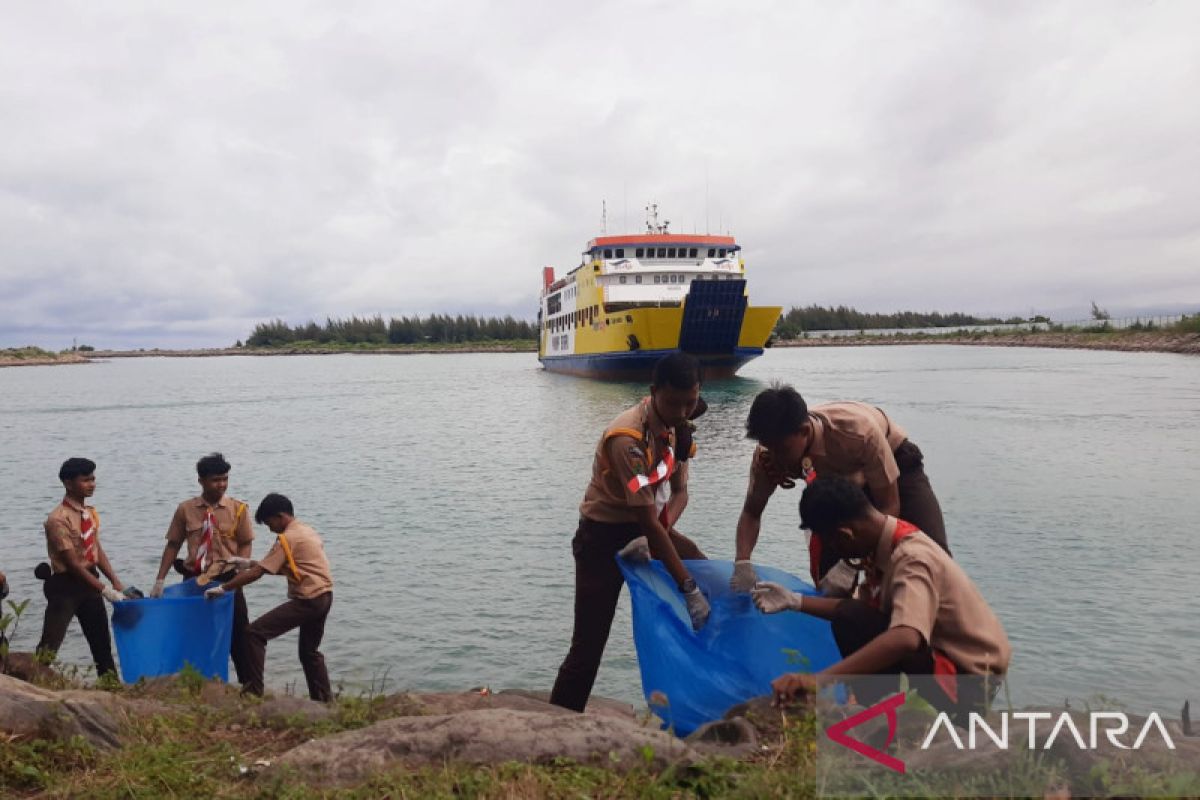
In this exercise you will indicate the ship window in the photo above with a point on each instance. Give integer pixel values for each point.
(670, 252)
(637, 278)
(629, 318)
(656, 279)
(622, 279)
(692, 253)
(620, 252)
(711, 252)
(608, 253)
(673, 279)
(640, 251)
(662, 252)
(723, 252)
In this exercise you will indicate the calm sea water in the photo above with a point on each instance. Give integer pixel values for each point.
(447, 487)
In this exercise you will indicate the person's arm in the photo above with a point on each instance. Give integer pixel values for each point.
(106, 568)
(679, 494)
(176, 534)
(887, 498)
(660, 543)
(246, 576)
(882, 474)
(759, 489)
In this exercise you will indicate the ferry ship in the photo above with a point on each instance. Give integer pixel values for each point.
(637, 297)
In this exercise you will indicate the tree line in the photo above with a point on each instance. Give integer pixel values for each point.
(842, 318)
(436, 328)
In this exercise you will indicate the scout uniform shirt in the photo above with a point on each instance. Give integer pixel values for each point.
(307, 557)
(64, 531)
(854, 440)
(233, 524)
(925, 589)
(633, 444)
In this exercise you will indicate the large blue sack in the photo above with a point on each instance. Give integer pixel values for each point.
(159, 636)
(690, 678)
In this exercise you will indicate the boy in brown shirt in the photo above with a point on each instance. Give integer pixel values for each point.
(73, 587)
(929, 618)
(217, 529)
(634, 464)
(299, 553)
(854, 440)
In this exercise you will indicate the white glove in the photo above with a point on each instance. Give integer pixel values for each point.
(744, 577)
(112, 595)
(771, 598)
(637, 551)
(157, 590)
(839, 580)
(697, 606)
(239, 563)
(214, 593)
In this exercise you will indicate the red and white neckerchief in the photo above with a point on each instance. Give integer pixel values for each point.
(204, 549)
(662, 470)
(87, 532)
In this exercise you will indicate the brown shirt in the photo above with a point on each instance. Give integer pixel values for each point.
(308, 553)
(849, 439)
(631, 445)
(925, 589)
(64, 531)
(233, 520)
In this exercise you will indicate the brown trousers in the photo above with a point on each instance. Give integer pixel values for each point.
(307, 615)
(598, 583)
(68, 597)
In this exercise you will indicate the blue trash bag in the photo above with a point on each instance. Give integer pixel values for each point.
(690, 678)
(159, 636)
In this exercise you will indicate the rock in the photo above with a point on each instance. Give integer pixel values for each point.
(486, 736)
(732, 738)
(27, 711)
(284, 710)
(412, 704)
(26, 667)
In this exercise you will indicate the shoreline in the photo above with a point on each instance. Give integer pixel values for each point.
(1127, 342)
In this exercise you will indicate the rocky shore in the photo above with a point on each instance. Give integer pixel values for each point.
(183, 735)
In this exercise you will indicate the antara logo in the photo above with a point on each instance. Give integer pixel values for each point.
(1113, 724)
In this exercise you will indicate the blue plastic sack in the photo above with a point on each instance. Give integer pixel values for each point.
(690, 678)
(159, 636)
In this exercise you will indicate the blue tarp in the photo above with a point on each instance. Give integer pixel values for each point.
(157, 637)
(690, 678)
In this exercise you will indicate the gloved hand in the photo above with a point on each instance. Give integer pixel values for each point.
(112, 595)
(839, 580)
(771, 598)
(239, 563)
(697, 606)
(157, 590)
(744, 576)
(214, 593)
(637, 551)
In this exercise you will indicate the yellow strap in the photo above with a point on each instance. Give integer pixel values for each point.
(236, 519)
(287, 551)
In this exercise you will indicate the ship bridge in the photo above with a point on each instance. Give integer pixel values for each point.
(657, 269)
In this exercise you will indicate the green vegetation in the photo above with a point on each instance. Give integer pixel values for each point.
(25, 354)
(819, 318)
(434, 329)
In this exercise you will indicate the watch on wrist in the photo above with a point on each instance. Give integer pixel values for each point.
(688, 586)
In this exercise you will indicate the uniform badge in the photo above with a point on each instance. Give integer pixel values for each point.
(637, 460)
(806, 470)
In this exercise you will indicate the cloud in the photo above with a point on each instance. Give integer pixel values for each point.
(170, 176)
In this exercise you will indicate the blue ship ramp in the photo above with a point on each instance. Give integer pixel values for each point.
(712, 316)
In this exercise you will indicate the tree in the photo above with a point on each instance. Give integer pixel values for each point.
(1099, 314)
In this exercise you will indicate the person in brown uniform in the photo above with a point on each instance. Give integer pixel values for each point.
(628, 498)
(217, 529)
(854, 440)
(300, 555)
(931, 623)
(72, 585)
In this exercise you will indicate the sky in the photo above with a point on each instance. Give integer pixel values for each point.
(173, 174)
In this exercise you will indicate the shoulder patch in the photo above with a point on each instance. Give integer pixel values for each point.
(637, 460)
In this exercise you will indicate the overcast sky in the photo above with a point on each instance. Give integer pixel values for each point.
(171, 174)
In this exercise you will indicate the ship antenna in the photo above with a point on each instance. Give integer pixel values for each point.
(604, 217)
